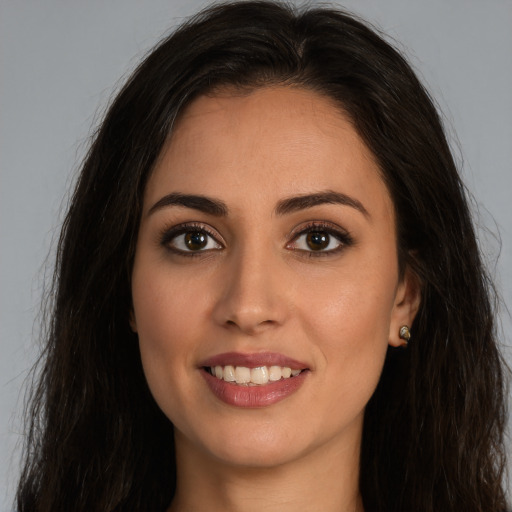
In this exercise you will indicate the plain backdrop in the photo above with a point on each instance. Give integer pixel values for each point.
(61, 61)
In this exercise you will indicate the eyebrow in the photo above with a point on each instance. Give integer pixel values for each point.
(303, 202)
(196, 202)
(218, 208)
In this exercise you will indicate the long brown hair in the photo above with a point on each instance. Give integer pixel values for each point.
(433, 430)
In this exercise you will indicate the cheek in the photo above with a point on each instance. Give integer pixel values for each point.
(349, 317)
(164, 303)
(352, 307)
(163, 320)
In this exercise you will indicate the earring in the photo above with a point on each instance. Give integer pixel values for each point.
(404, 334)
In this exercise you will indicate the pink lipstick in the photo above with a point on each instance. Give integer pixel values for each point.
(253, 380)
(253, 360)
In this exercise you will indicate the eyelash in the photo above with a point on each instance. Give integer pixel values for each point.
(168, 235)
(343, 237)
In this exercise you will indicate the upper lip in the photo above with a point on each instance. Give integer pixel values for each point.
(253, 360)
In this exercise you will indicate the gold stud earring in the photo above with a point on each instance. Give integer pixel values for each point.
(404, 334)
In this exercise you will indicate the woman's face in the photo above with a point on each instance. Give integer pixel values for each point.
(266, 248)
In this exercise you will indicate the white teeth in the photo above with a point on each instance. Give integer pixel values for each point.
(274, 373)
(242, 375)
(259, 375)
(253, 376)
(229, 374)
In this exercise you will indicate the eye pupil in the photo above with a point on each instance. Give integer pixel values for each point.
(317, 240)
(195, 240)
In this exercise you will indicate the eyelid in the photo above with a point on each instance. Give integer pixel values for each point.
(170, 233)
(341, 234)
(167, 234)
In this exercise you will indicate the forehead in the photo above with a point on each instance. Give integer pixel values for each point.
(267, 143)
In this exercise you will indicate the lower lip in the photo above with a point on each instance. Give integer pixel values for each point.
(253, 396)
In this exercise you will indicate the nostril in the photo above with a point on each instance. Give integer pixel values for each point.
(253, 325)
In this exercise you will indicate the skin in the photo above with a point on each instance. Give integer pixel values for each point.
(258, 287)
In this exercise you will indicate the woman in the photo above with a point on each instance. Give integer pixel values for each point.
(268, 290)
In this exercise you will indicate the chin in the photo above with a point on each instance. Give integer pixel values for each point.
(257, 456)
(257, 448)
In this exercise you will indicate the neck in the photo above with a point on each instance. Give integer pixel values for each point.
(326, 479)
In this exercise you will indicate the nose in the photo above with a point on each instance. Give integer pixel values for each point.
(252, 296)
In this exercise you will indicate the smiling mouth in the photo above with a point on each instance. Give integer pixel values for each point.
(259, 376)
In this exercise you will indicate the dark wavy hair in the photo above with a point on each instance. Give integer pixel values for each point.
(433, 430)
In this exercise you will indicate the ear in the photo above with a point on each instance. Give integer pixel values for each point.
(133, 323)
(407, 303)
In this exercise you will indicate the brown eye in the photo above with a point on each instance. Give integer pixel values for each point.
(195, 240)
(317, 240)
(189, 240)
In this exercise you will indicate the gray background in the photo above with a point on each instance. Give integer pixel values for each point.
(61, 61)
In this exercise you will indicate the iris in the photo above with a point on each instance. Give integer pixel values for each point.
(317, 240)
(195, 240)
